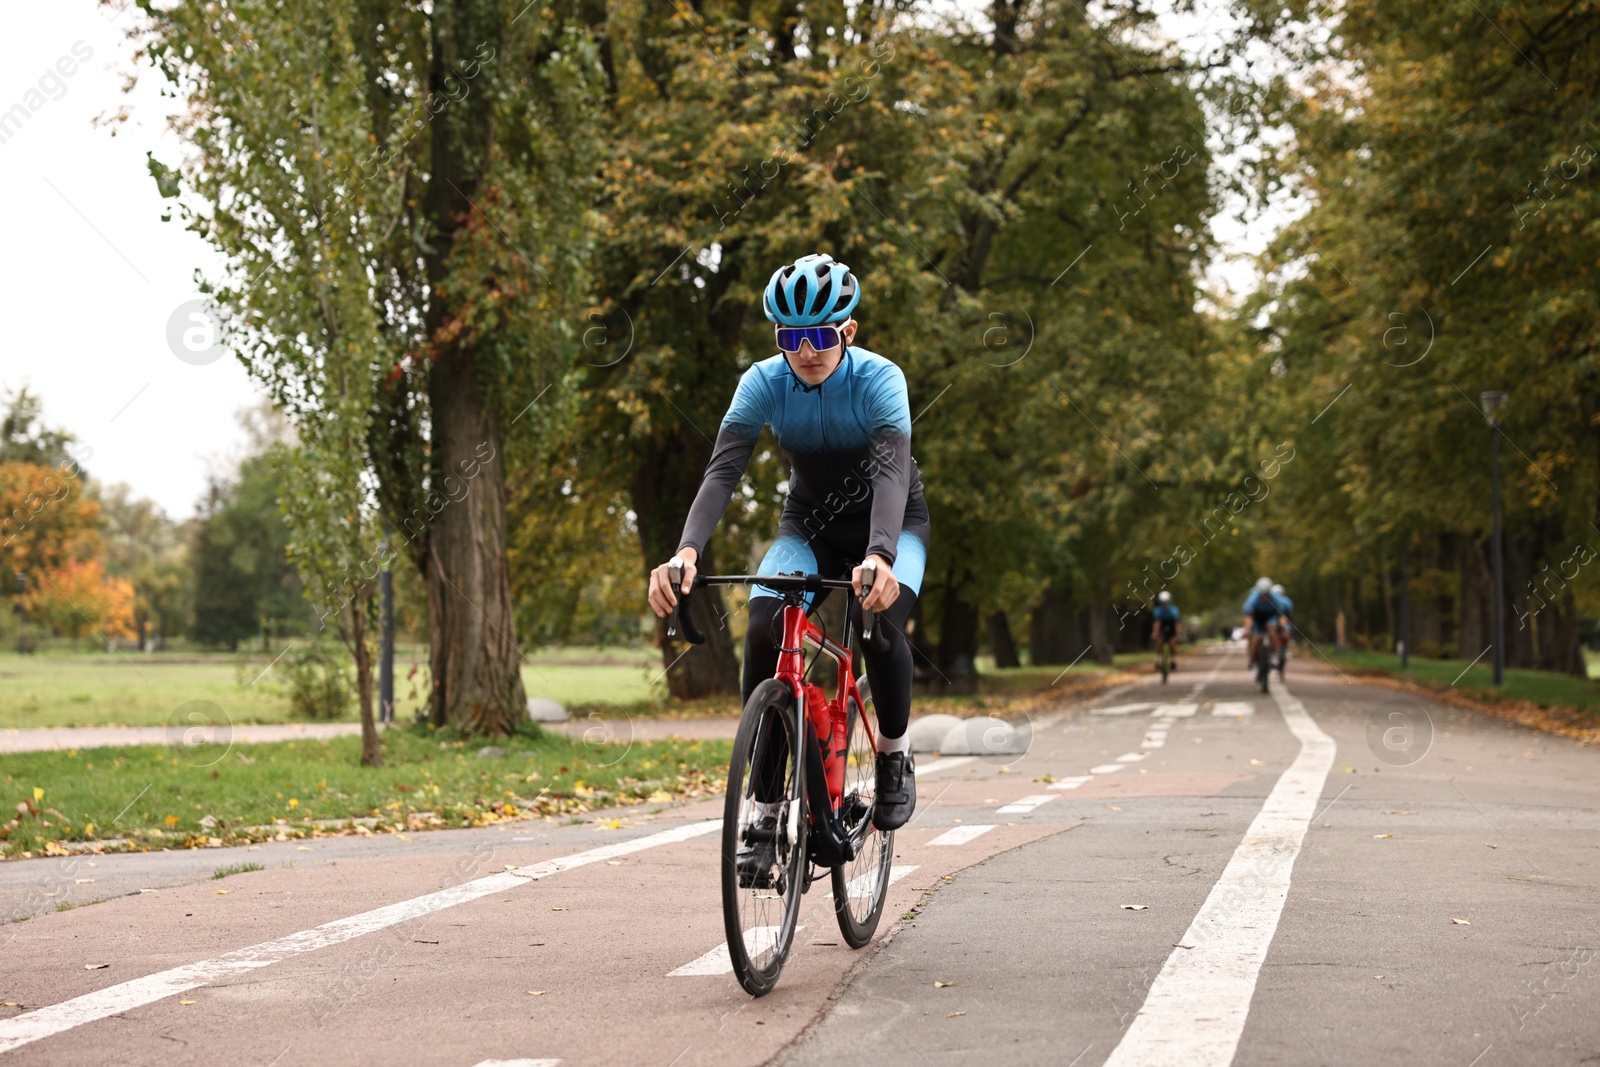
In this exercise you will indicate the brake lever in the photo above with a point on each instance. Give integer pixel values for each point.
(869, 574)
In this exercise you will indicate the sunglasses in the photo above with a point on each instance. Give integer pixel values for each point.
(822, 338)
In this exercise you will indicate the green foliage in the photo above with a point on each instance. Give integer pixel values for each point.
(316, 679)
(1449, 250)
(244, 582)
(24, 437)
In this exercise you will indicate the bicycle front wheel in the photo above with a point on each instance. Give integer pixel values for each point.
(860, 885)
(764, 838)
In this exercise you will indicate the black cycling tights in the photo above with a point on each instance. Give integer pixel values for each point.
(888, 671)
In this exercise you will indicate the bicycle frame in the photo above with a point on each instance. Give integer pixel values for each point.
(827, 719)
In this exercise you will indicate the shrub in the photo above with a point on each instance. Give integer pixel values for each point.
(317, 681)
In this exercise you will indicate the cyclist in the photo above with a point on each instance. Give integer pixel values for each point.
(1166, 615)
(1285, 623)
(842, 418)
(1261, 613)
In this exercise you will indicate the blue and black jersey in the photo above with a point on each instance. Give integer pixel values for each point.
(1167, 617)
(854, 489)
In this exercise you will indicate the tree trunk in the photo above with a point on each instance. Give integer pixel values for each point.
(1522, 554)
(371, 754)
(1100, 633)
(1051, 627)
(1476, 583)
(477, 679)
(664, 485)
(958, 641)
(1001, 642)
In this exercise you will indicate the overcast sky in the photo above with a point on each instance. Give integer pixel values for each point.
(91, 277)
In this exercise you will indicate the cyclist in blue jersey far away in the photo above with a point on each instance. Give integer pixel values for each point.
(1285, 624)
(1165, 631)
(1261, 614)
(842, 418)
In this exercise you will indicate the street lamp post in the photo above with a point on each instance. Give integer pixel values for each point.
(1492, 402)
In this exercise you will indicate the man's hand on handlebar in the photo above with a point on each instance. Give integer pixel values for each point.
(663, 597)
(885, 588)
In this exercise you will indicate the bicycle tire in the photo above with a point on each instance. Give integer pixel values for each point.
(1263, 663)
(759, 948)
(1166, 663)
(874, 848)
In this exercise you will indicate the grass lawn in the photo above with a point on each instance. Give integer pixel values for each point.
(154, 796)
(127, 689)
(135, 689)
(1540, 688)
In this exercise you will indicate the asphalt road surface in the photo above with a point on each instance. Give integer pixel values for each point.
(1194, 874)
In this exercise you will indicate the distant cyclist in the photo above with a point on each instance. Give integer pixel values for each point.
(842, 418)
(1261, 614)
(1167, 616)
(1285, 623)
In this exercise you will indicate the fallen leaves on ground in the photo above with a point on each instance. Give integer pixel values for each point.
(1135, 907)
(1461, 922)
(942, 985)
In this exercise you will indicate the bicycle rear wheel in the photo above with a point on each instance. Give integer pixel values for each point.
(860, 885)
(1263, 662)
(1166, 662)
(765, 806)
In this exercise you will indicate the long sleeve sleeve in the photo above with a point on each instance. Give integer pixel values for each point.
(736, 440)
(889, 410)
(729, 457)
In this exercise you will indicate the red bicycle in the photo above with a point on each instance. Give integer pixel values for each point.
(801, 786)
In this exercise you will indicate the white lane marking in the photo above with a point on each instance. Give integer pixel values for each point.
(945, 764)
(1233, 708)
(960, 835)
(1107, 768)
(517, 1063)
(1154, 742)
(1198, 1004)
(45, 1022)
(1175, 711)
(757, 940)
(1131, 757)
(1120, 709)
(1026, 804)
(859, 885)
(1070, 783)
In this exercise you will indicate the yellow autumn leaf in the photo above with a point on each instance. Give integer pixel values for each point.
(38, 794)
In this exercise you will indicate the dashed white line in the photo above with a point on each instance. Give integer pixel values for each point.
(46, 1022)
(1120, 709)
(1026, 804)
(861, 883)
(1175, 711)
(757, 940)
(945, 764)
(1131, 757)
(1197, 1006)
(960, 835)
(1071, 783)
(1107, 768)
(1234, 709)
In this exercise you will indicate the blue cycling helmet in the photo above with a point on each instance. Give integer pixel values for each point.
(811, 291)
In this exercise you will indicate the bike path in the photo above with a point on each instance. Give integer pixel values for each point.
(1491, 824)
(453, 984)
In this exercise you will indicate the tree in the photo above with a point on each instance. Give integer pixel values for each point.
(401, 192)
(148, 550)
(1450, 250)
(244, 582)
(78, 597)
(24, 438)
